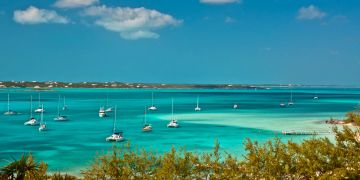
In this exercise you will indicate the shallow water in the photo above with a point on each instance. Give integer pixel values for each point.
(70, 146)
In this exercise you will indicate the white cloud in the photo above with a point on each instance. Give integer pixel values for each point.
(310, 13)
(131, 23)
(138, 35)
(219, 2)
(74, 3)
(34, 15)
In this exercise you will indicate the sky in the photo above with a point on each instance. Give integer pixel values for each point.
(315, 42)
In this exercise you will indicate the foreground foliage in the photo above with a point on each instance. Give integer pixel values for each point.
(24, 168)
(316, 158)
(353, 117)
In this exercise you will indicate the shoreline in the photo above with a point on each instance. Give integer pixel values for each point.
(254, 122)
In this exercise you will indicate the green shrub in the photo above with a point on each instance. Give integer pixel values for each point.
(24, 168)
(315, 158)
(353, 117)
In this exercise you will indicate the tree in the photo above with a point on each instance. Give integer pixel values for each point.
(24, 168)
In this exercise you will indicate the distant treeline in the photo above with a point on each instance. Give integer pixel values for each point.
(52, 84)
(316, 158)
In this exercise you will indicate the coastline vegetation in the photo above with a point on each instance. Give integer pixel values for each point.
(315, 158)
(353, 118)
(53, 84)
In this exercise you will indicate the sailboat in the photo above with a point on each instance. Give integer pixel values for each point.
(40, 109)
(290, 103)
(42, 124)
(235, 106)
(59, 116)
(9, 111)
(173, 122)
(102, 112)
(197, 108)
(316, 96)
(32, 121)
(108, 109)
(116, 136)
(147, 127)
(152, 107)
(65, 107)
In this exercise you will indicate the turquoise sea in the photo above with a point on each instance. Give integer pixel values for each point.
(70, 146)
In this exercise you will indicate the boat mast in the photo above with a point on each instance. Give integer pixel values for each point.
(64, 102)
(42, 115)
(114, 127)
(31, 115)
(8, 104)
(152, 98)
(107, 100)
(58, 108)
(197, 102)
(172, 108)
(144, 115)
(39, 99)
(291, 96)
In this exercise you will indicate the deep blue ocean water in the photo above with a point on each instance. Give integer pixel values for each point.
(70, 146)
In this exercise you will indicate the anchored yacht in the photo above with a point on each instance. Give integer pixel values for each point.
(197, 108)
(173, 122)
(42, 124)
(9, 111)
(32, 121)
(117, 135)
(147, 127)
(102, 112)
(152, 107)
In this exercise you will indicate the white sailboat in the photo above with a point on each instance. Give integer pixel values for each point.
(40, 109)
(32, 121)
(108, 109)
(152, 107)
(173, 122)
(290, 103)
(117, 135)
(42, 124)
(102, 112)
(147, 127)
(197, 108)
(9, 111)
(59, 116)
(65, 107)
(235, 106)
(316, 96)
